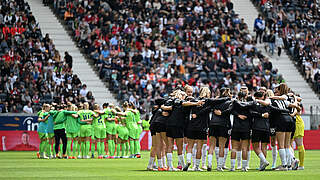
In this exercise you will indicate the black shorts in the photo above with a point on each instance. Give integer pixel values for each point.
(175, 132)
(285, 124)
(218, 131)
(158, 127)
(236, 135)
(152, 131)
(260, 136)
(202, 135)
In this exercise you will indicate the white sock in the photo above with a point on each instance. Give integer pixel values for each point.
(204, 154)
(288, 157)
(197, 163)
(238, 154)
(233, 163)
(163, 161)
(184, 148)
(169, 160)
(262, 158)
(292, 154)
(210, 160)
(244, 163)
(248, 159)
(282, 153)
(154, 163)
(226, 151)
(216, 151)
(181, 160)
(189, 157)
(151, 160)
(194, 153)
(160, 164)
(220, 162)
(292, 151)
(274, 156)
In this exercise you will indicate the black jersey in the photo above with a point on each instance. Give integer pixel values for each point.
(177, 117)
(188, 110)
(260, 123)
(224, 119)
(163, 119)
(200, 123)
(273, 117)
(283, 117)
(291, 99)
(241, 108)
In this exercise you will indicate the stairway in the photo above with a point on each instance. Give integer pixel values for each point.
(50, 24)
(289, 72)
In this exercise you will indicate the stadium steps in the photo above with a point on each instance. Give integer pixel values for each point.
(63, 42)
(286, 67)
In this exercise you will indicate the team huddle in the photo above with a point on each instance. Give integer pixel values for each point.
(259, 119)
(113, 132)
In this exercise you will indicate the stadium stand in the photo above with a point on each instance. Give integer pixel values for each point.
(32, 70)
(145, 49)
(299, 22)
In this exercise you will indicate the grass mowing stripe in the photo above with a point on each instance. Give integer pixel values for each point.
(16, 165)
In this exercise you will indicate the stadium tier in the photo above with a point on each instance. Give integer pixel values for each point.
(32, 71)
(298, 23)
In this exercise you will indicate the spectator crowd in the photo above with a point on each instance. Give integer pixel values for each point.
(32, 71)
(297, 23)
(146, 48)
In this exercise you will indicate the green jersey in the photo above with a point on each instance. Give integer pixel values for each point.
(137, 116)
(43, 124)
(98, 121)
(71, 123)
(108, 114)
(85, 114)
(130, 122)
(50, 121)
(59, 119)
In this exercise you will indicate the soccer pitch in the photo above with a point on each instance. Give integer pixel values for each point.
(24, 165)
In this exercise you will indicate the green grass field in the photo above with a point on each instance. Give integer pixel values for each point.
(24, 165)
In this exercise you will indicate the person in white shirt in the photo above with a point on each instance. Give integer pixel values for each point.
(84, 91)
(27, 108)
(198, 9)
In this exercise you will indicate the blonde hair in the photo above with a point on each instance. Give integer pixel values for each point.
(204, 92)
(269, 93)
(86, 105)
(179, 94)
(187, 87)
(96, 106)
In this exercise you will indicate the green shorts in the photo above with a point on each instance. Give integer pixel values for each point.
(72, 135)
(133, 133)
(86, 131)
(50, 135)
(111, 128)
(100, 132)
(123, 133)
(139, 131)
(42, 135)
